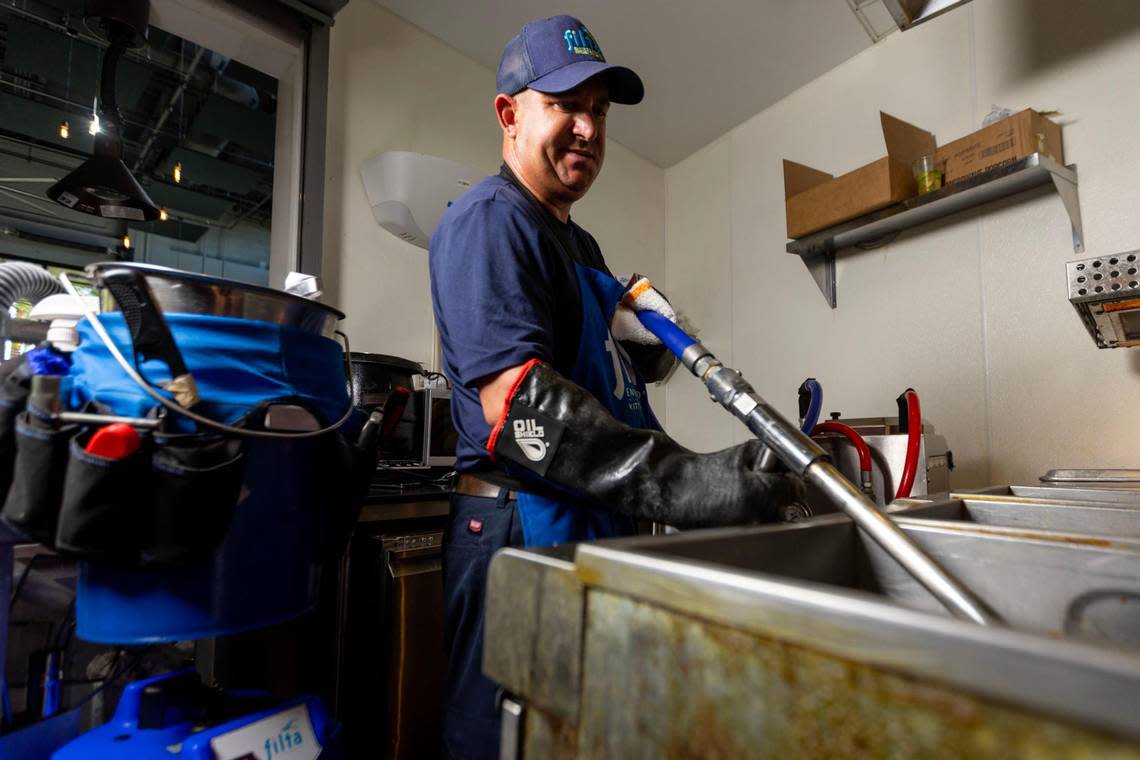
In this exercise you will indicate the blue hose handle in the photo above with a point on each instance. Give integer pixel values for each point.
(674, 338)
(814, 406)
(677, 340)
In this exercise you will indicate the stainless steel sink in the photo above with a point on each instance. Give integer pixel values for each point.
(1060, 584)
(1083, 517)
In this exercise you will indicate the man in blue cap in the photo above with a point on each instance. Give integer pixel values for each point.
(549, 363)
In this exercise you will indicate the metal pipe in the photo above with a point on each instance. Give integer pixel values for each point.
(83, 418)
(804, 457)
(16, 196)
(67, 106)
(65, 230)
(947, 589)
(174, 97)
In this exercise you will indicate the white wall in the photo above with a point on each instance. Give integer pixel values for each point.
(393, 87)
(971, 311)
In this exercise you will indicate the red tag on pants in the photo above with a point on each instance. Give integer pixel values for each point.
(475, 526)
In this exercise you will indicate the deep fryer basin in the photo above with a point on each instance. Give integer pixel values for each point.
(569, 631)
(1126, 496)
(1091, 518)
(1059, 584)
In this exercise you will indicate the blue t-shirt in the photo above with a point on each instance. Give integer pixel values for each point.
(503, 292)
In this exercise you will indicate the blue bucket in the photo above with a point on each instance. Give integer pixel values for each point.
(267, 568)
(266, 571)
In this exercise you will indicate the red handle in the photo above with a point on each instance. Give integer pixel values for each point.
(115, 441)
(913, 442)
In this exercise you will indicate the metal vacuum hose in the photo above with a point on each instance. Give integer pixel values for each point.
(21, 280)
(803, 456)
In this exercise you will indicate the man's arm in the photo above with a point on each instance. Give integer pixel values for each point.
(493, 392)
(576, 442)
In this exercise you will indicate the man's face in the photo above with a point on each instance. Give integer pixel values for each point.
(561, 139)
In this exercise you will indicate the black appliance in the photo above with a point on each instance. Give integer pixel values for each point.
(391, 660)
(374, 376)
(425, 436)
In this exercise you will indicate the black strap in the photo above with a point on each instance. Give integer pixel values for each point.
(543, 216)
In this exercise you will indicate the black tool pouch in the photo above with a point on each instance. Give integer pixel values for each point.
(40, 463)
(106, 506)
(197, 486)
(166, 504)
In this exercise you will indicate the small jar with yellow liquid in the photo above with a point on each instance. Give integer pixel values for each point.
(928, 174)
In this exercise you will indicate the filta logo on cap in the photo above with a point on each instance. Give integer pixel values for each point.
(557, 54)
(581, 42)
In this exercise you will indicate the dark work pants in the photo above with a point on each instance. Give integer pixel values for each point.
(477, 529)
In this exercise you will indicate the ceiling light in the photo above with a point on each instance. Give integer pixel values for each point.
(162, 215)
(178, 173)
(64, 129)
(127, 241)
(103, 185)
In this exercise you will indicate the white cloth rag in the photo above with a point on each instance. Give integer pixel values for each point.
(640, 295)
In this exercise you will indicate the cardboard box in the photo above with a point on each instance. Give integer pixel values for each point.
(1008, 140)
(814, 200)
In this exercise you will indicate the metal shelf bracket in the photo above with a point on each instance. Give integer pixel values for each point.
(1067, 189)
(821, 265)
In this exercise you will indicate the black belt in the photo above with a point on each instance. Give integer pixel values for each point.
(471, 485)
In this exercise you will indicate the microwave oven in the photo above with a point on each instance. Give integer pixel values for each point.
(425, 435)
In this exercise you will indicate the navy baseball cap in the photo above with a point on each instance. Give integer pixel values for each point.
(557, 54)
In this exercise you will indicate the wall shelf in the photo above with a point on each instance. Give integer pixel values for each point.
(818, 251)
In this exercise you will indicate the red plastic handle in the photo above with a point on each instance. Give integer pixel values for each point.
(115, 441)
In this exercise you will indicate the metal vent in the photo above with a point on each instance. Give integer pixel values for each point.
(1105, 291)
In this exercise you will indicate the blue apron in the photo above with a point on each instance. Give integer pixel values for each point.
(606, 372)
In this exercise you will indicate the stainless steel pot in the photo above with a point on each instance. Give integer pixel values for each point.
(179, 292)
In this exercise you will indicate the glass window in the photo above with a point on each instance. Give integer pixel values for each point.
(200, 134)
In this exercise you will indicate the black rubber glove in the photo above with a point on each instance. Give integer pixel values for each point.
(556, 429)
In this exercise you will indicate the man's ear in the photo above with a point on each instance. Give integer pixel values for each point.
(506, 108)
